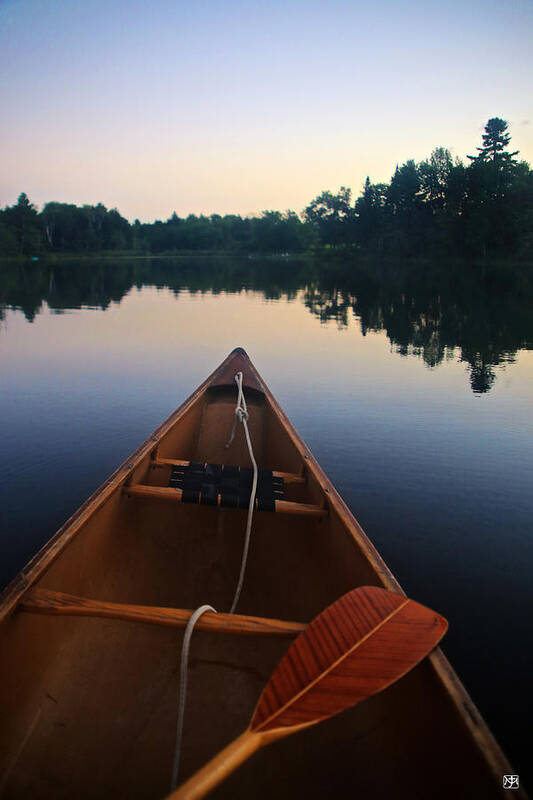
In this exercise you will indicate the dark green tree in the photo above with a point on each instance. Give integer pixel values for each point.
(116, 231)
(95, 216)
(403, 209)
(8, 239)
(495, 140)
(276, 232)
(434, 176)
(66, 228)
(403, 189)
(369, 211)
(22, 219)
(333, 217)
(494, 165)
(489, 217)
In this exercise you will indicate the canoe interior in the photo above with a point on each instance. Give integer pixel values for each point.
(89, 706)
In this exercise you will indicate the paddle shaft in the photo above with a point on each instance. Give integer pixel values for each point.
(222, 765)
(359, 645)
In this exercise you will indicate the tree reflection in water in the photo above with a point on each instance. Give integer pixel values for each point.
(481, 315)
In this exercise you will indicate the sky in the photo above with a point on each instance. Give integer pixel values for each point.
(213, 106)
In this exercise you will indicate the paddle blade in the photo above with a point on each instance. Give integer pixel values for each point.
(359, 645)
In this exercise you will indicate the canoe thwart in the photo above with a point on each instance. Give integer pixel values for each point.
(168, 493)
(228, 486)
(287, 477)
(46, 601)
(75, 651)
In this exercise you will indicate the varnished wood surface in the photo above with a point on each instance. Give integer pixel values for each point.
(175, 495)
(39, 564)
(218, 769)
(288, 477)
(470, 718)
(45, 601)
(59, 676)
(358, 646)
(238, 361)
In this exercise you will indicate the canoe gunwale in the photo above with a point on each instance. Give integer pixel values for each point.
(465, 707)
(45, 557)
(23, 582)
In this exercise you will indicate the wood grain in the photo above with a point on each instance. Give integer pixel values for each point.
(238, 361)
(38, 565)
(359, 645)
(77, 557)
(45, 601)
(175, 495)
(467, 715)
(365, 641)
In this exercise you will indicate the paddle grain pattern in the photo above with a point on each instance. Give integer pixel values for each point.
(86, 557)
(365, 641)
(361, 644)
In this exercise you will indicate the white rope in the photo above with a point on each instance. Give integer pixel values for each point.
(241, 414)
(241, 409)
(195, 616)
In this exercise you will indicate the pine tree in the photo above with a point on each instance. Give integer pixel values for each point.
(495, 140)
(490, 179)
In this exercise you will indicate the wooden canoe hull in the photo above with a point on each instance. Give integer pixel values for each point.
(89, 704)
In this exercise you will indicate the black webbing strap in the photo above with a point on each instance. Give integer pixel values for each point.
(203, 483)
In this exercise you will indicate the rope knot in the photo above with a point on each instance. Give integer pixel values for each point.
(242, 414)
(241, 411)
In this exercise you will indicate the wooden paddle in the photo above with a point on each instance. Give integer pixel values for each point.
(359, 645)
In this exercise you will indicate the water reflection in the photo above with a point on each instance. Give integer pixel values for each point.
(440, 479)
(479, 315)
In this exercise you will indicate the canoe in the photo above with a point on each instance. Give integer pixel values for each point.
(91, 629)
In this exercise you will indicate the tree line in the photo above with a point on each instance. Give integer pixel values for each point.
(441, 205)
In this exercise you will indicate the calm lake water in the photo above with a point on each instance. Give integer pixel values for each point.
(414, 394)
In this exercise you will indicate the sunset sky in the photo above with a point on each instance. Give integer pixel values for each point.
(235, 107)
